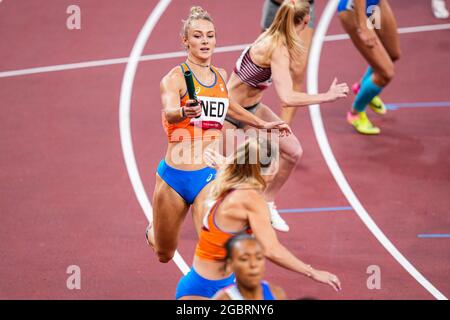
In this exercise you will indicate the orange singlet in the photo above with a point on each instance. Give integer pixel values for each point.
(214, 102)
(211, 245)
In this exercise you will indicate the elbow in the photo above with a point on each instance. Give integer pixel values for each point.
(231, 113)
(272, 253)
(287, 100)
(269, 255)
(272, 256)
(170, 119)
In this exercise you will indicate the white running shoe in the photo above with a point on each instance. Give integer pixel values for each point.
(439, 9)
(277, 222)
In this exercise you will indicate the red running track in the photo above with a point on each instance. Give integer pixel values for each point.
(66, 198)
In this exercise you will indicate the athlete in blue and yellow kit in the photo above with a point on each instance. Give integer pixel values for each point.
(379, 45)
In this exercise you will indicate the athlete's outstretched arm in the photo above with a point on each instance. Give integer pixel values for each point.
(259, 218)
(283, 84)
(170, 97)
(239, 113)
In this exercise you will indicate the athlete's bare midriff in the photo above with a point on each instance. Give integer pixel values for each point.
(187, 155)
(242, 93)
(211, 270)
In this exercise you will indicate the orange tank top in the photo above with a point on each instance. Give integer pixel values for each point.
(211, 245)
(214, 102)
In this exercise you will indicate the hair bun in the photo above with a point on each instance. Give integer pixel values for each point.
(197, 11)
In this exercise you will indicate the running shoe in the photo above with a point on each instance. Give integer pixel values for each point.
(439, 9)
(277, 222)
(362, 123)
(376, 104)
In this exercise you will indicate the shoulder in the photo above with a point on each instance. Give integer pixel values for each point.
(280, 52)
(241, 198)
(174, 76)
(268, 45)
(223, 73)
(277, 292)
(246, 194)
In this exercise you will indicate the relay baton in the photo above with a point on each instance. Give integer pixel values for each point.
(190, 86)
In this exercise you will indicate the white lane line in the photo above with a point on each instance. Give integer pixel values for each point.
(109, 62)
(319, 131)
(124, 118)
(432, 27)
(63, 67)
(178, 54)
(404, 30)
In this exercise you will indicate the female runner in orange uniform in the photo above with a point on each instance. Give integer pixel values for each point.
(239, 181)
(182, 177)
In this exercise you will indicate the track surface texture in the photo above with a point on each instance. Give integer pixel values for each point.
(65, 193)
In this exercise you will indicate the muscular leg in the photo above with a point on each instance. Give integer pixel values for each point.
(372, 85)
(169, 211)
(290, 153)
(298, 74)
(377, 56)
(388, 33)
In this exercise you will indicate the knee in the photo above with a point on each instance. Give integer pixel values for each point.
(164, 256)
(293, 153)
(390, 73)
(386, 75)
(395, 56)
(298, 153)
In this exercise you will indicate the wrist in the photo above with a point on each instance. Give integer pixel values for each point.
(326, 97)
(260, 123)
(309, 271)
(182, 113)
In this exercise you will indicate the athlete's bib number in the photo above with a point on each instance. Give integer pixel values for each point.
(214, 111)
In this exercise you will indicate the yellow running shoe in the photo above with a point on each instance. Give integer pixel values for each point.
(377, 105)
(362, 123)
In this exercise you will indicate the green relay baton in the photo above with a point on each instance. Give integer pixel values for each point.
(190, 86)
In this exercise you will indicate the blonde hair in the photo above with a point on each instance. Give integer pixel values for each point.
(196, 13)
(289, 15)
(250, 158)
